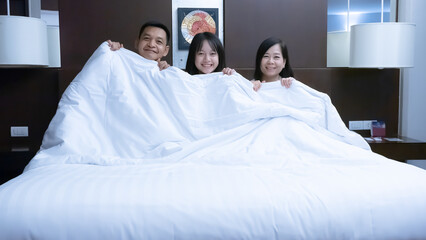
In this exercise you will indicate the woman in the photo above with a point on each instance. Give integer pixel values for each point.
(206, 55)
(272, 64)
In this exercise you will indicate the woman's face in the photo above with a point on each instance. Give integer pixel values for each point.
(272, 63)
(207, 59)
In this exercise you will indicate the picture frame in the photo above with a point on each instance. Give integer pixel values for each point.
(195, 20)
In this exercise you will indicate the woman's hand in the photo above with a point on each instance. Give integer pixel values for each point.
(228, 71)
(113, 46)
(256, 84)
(163, 65)
(286, 82)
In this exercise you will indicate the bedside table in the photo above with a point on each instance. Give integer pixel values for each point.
(406, 149)
(13, 161)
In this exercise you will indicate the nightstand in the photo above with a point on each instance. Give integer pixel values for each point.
(13, 161)
(406, 149)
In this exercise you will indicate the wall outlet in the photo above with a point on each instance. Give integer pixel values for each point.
(361, 125)
(21, 131)
(356, 125)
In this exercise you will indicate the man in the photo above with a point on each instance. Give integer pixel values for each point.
(152, 43)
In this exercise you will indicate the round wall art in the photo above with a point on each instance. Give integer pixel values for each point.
(196, 21)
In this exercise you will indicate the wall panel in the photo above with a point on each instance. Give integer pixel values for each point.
(84, 25)
(28, 97)
(302, 24)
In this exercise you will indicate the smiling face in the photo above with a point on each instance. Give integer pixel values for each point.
(207, 59)
(272, 63)
(152, 43)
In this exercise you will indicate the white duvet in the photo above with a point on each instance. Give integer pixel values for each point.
(138, 153)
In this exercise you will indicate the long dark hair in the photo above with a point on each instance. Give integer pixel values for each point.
(264, 46)
(197, 44)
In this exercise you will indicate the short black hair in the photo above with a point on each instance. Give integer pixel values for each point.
(197, 44)
(264, 46)
(155, 24)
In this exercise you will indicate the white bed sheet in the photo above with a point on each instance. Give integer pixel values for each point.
(138, 153)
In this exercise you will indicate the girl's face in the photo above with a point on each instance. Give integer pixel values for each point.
(272, 63)
(207, 59)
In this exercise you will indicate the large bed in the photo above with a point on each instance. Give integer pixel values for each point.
(137, 153)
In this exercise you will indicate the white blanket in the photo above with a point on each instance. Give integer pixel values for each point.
(138, 153)
(121, 109)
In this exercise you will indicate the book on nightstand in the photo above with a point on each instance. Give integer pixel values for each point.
(378, 129)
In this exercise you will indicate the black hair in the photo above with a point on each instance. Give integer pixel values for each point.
(195, 47)
(155, 24)
(264, 46)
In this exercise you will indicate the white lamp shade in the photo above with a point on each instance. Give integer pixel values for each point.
(382, 45)
(338, 49)
(23, 42)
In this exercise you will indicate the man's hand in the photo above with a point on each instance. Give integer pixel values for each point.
(114, 45)
(163, 65)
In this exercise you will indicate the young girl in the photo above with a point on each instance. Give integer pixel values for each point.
(272, 64)
(206, 55)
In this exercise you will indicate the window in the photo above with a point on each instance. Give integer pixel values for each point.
(360, 11)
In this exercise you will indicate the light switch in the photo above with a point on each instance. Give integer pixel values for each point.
(21, 131)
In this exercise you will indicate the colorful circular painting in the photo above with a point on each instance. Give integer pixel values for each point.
(195, 22)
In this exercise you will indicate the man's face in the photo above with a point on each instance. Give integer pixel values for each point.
(152, 43)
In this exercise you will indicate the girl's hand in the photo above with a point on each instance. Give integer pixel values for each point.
(286, 82)
(256, 84)
(114, 45)
(228, 71)
(163, 65)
